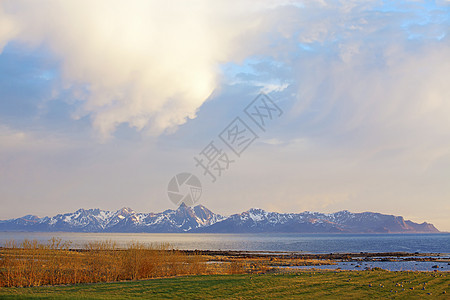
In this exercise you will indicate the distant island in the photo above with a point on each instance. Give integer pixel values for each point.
(199, 219)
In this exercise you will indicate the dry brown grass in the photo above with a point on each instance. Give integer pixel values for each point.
(32, 263)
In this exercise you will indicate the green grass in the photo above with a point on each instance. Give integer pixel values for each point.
(305, 285)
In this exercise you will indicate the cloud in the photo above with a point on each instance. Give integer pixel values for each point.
(152, 65)
(10, 138)
(7, 28)
(145, 63)
(367, 117)
(377, 88)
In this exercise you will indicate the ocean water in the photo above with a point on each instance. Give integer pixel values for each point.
(307, 243)
(386, 265)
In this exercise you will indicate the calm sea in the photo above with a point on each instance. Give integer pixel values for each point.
(308, 243)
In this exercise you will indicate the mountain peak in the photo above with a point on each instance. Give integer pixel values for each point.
(256, 211)
(183, 206)
(125, 211)
(30, 218)
(201, 219)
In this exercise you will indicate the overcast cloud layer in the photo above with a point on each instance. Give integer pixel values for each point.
(101, 102)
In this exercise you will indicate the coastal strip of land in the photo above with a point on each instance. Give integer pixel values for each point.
(32, 263)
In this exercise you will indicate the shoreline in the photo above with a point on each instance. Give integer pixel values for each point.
(407, 256)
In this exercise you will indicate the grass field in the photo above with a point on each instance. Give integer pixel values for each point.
(306, 284)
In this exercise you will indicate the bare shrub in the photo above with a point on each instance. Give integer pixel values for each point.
(32, 263)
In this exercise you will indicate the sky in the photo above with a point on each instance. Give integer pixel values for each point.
(103, 102)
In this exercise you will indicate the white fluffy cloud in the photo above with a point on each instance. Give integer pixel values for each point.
(150, 64)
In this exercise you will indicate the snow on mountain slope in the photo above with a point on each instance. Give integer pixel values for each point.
(201, 219)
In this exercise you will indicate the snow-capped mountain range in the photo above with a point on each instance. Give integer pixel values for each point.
(201, 219)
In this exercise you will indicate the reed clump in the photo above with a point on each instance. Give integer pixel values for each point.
(33, 263)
